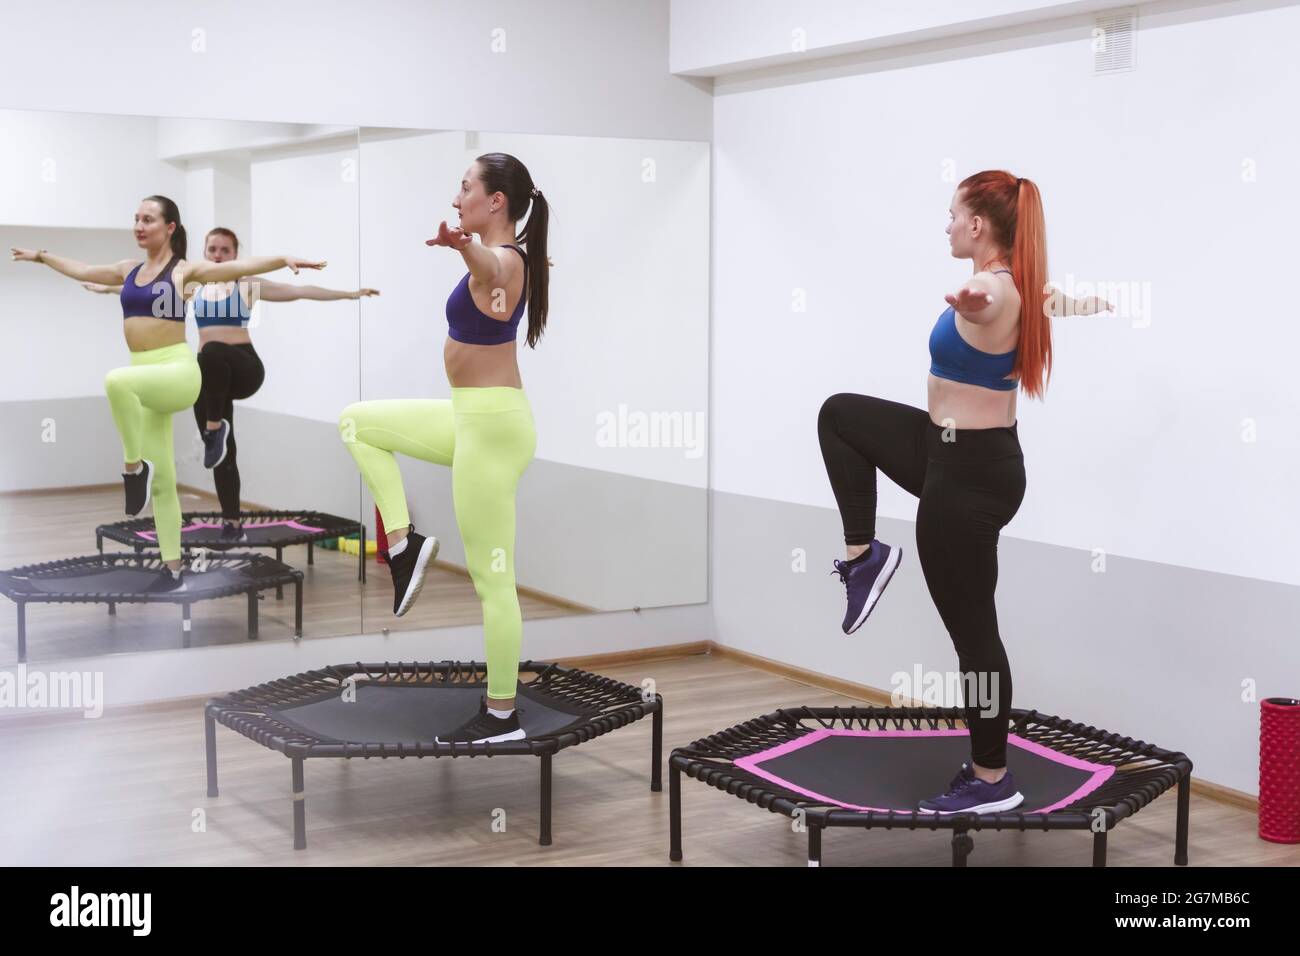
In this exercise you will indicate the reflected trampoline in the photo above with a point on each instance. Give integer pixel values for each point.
(114, 579)
(263, 529)
(870, 766)
(396, 710)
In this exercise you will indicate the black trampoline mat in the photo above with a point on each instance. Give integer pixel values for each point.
(895, 770)
(265, 533)
(132, 579)
(414, 713)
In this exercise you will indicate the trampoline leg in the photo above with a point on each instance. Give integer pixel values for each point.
(185, 625)
(1099, 848)
(674, 812)
(210, 739)
(311, 554)
(279, 588)
(545, 838)
(297, 608)
(112, 607)
(99, 543)
(252, 615)
(962, 844)
(1184, 803)
(299, 807)
(362, 553)
(814, 845)
(22, 631)
(656, 748)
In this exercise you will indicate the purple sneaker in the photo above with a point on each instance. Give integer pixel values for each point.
(865, 581)
(969, 794)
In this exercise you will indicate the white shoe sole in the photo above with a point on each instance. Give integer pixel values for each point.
(891, 565)
(499, 738)
(428, 552)
(995, 807)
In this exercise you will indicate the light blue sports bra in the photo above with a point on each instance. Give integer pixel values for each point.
(955, 359)
(231, 311)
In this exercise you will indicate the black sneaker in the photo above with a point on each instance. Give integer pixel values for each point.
(137, 488)
(214, 444)
(232, 534)
(166, 581)
(485, 728)
(408, 569)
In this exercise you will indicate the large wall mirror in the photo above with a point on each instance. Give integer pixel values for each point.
(611, 512)
(271, 356)
(278, 538)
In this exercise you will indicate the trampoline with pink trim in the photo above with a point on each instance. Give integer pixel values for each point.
(868, 767)
(262, 529)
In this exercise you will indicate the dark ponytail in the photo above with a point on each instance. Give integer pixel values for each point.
(172, 214)
(501, 172)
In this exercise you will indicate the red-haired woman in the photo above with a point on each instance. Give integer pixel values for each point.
(961, 458)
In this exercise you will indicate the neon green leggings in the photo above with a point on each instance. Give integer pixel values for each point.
(487, 437)
(143, 397)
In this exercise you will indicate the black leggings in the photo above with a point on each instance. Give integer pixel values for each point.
(970, 483)
(229, 372)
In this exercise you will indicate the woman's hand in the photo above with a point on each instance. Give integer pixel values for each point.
(98, 287)
(24, 255)
(293, 263)
(362, 293)
(454, 238)
(968, 301)
(1094, 304)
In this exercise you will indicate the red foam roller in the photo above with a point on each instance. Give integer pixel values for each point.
(1279, 770)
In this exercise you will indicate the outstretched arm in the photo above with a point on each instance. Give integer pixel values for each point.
(269, 291)
(202, 270)
(101, 288)
(1059, 305)
(485, 265)
(976, 298)
(110, 274)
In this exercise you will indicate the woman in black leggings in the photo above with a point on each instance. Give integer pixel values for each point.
(230, 365)
(961, 458)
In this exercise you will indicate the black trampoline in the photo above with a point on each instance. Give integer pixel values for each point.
(264, 529)
(114, 579)
(396, 710)
(869, 767)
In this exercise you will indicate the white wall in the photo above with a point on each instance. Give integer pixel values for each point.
(307, 206)
(582, 67)
(79, 170)
(716, 37)
(836, 186)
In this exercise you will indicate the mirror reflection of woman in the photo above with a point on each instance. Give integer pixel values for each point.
(163, 377)
(484, 432)
(230, 366)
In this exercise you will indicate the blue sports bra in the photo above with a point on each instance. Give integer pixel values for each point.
(159, 299)
(953, 358)
(232, 311)
(467, 323)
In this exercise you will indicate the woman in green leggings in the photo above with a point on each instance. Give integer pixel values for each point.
(163, 377)
(484, 432)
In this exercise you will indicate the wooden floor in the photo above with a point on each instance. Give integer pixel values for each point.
(125, 789)
(48, 526)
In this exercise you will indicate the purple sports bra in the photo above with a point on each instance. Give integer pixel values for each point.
(467, 323)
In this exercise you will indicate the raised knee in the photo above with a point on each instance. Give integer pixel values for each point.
(831, 408)
(348, 422)
(115, 380)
